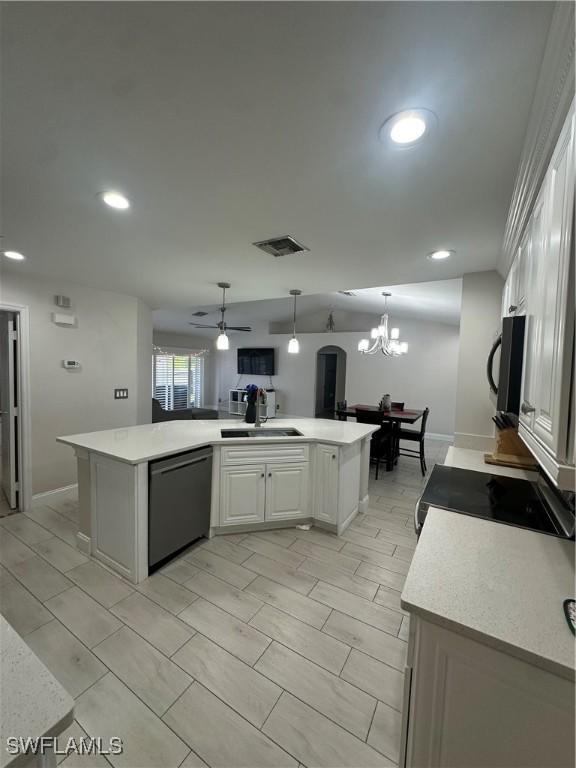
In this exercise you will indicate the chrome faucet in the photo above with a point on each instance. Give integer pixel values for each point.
(260, 400)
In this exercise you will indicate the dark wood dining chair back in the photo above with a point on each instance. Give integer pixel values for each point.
(423, 422)
(397, 406)
(382, 440)
(415, 436)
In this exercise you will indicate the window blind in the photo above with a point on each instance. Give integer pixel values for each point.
(177, 380)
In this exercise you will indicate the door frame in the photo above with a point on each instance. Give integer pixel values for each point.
(24, 400)
(341, 362)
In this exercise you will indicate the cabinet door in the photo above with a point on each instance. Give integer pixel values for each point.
(553, 356)
(535, 246)
(287, 491)
(242, 494)
(326, 484)
(472, 705)
(509, 293)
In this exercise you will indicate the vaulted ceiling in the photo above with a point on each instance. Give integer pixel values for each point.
(226, 123)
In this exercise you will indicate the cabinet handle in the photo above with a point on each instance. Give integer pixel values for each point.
(526, 408)
(269, 474)
(262, 475)
(512, 308)
(333, 455)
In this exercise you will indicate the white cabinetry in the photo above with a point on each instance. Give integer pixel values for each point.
(286, 491)
(263, 483)
(519, 716)
(243, 491)
(548, 364)
(326, 486)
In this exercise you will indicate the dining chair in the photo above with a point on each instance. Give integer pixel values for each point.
(382, 441)
(396, 406)
(415, 436)
(341, 406)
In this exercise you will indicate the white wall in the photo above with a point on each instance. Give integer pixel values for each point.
(113, 342)
(480, 324)
(426, 376)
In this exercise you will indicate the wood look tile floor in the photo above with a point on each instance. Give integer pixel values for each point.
(276, 648)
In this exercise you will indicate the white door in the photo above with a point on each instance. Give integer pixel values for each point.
(242, 494)
(287, 494)
(326, 485)
(9, 406)
(555, 326)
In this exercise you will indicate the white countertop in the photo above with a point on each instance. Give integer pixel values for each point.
(135, 445)
(467, 458)
(33, 702)
(502, 585)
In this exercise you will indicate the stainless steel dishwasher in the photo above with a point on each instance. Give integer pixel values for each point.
(179, 496)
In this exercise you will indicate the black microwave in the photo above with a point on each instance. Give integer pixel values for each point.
(511, 344)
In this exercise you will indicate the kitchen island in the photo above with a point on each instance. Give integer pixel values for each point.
(490, 675)
(319, 475)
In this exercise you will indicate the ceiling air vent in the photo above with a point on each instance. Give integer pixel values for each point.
(281, 246)
(200, 313)
(347, 293)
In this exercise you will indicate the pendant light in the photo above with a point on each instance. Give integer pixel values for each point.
(383, 341)
(223, 342)
(294, 344)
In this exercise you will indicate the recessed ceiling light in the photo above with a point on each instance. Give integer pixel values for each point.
(405, 129)
(14, 255)
(116, 200)
(440, 255)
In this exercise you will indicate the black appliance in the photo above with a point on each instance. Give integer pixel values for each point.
(257, 361)
(535, 505)
(511, 343)
(179, 496)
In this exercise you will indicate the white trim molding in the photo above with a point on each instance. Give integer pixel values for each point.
(552, 99)
(57, 494)
(25, 420)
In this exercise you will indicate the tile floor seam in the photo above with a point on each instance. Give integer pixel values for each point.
(308, 703)
(154, 714)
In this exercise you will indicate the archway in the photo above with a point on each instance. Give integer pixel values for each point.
(330, 380)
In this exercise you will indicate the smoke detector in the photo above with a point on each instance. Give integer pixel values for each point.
(281, 246)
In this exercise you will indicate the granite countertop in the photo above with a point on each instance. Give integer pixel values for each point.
(146, 442)
(496, 583)
(33, 702)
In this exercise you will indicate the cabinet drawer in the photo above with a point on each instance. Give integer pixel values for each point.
(256, 454)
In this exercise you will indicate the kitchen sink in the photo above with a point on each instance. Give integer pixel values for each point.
(267, 432)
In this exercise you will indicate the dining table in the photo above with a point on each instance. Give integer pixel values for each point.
(396, 416)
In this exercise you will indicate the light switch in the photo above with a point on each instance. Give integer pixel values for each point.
(120, 394)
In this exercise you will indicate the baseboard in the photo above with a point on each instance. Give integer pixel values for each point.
(342, 527)
(475, 442)
(84, 543)
(439, 436)
(57, 494)
(364, 503)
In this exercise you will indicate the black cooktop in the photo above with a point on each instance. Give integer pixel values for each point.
(492, 497)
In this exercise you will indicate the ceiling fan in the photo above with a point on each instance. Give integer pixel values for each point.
(221, 325)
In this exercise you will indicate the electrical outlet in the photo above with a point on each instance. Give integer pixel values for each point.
(120, 394)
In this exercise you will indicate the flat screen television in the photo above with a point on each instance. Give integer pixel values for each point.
(258, 361)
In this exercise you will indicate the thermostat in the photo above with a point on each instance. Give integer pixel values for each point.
(74, 364)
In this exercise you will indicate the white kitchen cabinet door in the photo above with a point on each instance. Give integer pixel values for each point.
(326, 484)
(471, 705)
(534, 246)
(287, 491)
(555, 327)
(510, 288)
(242, 494)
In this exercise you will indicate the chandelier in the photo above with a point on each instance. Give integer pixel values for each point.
(382, 341)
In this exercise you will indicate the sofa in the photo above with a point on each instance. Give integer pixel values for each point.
(159, 414)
